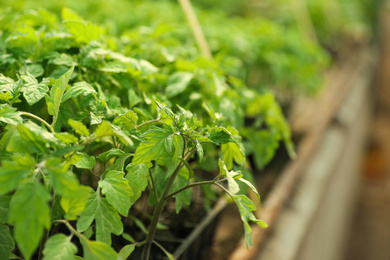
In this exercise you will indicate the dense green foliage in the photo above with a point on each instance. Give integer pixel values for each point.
(83, 134)
(93, 117)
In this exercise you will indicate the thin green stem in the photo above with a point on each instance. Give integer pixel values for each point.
(148, 122)
(158, 210)
(194, 185)
(153, 185)
(39, 119)
(71, 229)
(188, 187)
(156, 214)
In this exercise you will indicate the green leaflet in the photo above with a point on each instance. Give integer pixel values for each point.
(246, 206)
(87, 162)
(78, 89)
(4, 208)
(128, 120)
(184, 196)
(106, 129)
(53, 101)
(9, 115)
(107, 219)
(199, 149)
(59, 247)
(79, 127)
(166, 109)
(230, 176)
(220, 135)
(126, 252)
(66, 138)
(232, 152)
(117, 191)
(7, 243)
(64, 182)
(265, 144)
(177, 83)
(7, 84)
(96, 250)
(12, 172)
(106, 156)
(137, 175)
(32, 91)
(75, 205)
(29, 213)
(154, 145)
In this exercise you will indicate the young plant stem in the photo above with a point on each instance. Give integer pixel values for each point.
(196, 28)
(148, 122)
(158, 210)
(39, 119)
(193, 185)
(153, 185)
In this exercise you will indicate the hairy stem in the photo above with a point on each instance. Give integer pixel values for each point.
(148, 122)
(156, 214)
(158, 210)
(153, 185)
(191, 186)
(39, 119)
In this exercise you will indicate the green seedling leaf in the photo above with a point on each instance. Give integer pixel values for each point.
(64, 182)
(75, 206)
(13, 172)
(128, 120)
(117, 191)
(154, 145)
(79, 88)
(7, 244)
(245, 207)
(69, 14)
(7, 84)
(140, 225)
(107, 219)
(126, 252)
(96, 250)
(29, 213)
(199, 149)
(137, 175)
(53, 101)
(230, 176)
(185, 196)
(66, 138)
(165, 109)
(33, 92)
(251, 186)
(134, 99)
(79, 127)
(106, 156)
(87, 162)
(232, 152)
(59, 247)
(177, 83)
(220, 135)
(83, 32)
(4, 208)
(104, 129)
(9, 115)
(128, 237)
